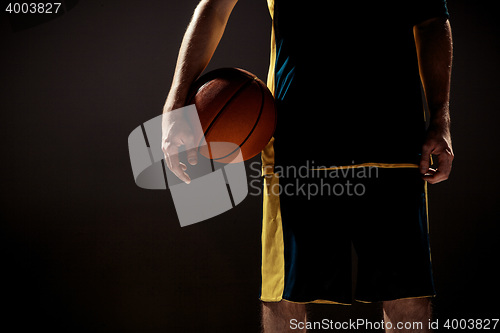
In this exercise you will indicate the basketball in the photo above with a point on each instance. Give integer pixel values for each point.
(236, 107)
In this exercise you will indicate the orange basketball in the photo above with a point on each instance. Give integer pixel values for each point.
(233, 106)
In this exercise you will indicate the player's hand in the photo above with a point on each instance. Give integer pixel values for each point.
(176, 132)
(437, 143)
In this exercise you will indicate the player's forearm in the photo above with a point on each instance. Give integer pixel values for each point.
(434, 49)
(198, 45)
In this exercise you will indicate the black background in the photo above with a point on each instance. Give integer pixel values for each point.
(83, 249)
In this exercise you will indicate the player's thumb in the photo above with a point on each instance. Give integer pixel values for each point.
(192, 156)
(425, 160)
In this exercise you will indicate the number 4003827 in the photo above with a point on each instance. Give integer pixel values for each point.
(33, 7)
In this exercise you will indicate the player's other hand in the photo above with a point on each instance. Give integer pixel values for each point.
(176, 132)
(437, 143)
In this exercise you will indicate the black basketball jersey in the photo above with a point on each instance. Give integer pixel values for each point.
(346, 81)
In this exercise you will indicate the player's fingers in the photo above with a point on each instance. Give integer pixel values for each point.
(425, 160)
(165, 155)
(445, 160)
(430, 172)
(430, 175)
(191, 151)
(175, 165)
(179, 170)
(435, 178)
(192, 156)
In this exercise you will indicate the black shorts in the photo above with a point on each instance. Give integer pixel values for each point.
(312, 219)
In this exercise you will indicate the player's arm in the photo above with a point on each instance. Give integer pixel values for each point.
(198, 45)
(434, 49)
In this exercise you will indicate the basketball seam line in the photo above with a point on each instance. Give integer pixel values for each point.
(256, 121)
(243, 86)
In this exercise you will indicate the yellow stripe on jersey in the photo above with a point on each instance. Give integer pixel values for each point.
(273, 258)
(273, 247)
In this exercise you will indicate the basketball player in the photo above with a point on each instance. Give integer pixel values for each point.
(347, 77)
